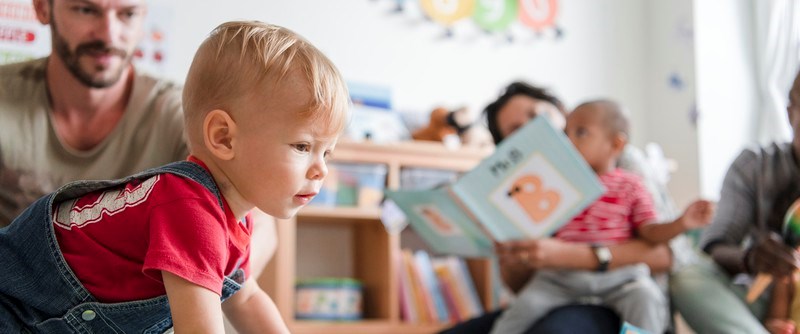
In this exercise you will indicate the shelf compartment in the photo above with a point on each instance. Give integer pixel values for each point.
(365, 327)
(360, 251)
(340, 215)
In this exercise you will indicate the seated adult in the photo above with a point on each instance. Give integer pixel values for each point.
(744, 239)
(519, 260)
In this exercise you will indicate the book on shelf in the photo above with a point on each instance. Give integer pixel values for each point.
(533, 183)
(454, 276)
(436, 290)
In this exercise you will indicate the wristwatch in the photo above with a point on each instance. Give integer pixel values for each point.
(603, 257)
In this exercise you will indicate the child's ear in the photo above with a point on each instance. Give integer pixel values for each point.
(619, 141)
(219, 133)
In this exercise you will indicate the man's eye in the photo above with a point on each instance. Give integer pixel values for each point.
(129, 14)
(83, 10)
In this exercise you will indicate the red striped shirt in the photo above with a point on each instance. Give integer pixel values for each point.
(615, 216)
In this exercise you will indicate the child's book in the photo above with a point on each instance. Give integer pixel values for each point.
(533, 183)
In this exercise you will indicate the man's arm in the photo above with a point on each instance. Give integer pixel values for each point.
(251, 311)
(194, 308)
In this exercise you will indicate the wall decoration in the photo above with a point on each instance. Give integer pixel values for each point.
(676, 81)
(22, 37)
(508, 19)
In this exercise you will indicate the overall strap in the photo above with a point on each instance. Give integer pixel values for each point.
(186, 169)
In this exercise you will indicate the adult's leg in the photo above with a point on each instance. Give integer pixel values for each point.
(584, 319)
(545, 292)
(478, 325)
(710, 303)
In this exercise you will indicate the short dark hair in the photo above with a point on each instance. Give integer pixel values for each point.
(513, 89)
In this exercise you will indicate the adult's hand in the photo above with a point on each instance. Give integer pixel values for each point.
(770, 255)
(544, 253)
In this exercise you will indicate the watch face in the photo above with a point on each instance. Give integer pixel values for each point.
(603, 254)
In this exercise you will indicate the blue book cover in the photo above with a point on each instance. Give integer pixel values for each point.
(432, 285)
(627, 328)
(533, 183)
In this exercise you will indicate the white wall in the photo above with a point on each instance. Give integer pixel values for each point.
(602, 53)
(670, 96)
(619, 49)
(725, 86)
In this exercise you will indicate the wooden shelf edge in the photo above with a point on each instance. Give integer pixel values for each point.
(364, 326)
(339, 213)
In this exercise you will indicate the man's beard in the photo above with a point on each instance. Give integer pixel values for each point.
(72, 60)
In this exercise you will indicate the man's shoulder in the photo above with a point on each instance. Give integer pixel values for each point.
(152, 83)
(17, 78)
(155, 94)
(764, 154)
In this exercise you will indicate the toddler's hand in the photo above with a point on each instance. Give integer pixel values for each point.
(698, 214)
(780, 326)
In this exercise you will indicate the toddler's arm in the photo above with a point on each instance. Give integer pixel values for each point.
(698, 214)
(194, 308)
(252, 311)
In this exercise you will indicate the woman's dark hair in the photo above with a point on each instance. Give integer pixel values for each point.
(515, 88)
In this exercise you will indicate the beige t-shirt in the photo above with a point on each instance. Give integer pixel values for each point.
(34, 162)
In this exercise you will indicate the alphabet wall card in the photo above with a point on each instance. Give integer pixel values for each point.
(533, 184)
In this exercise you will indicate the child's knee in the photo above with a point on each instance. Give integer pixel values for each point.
(646, 293)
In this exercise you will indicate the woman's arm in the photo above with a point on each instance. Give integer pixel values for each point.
(252, 311)
(552, 253)
(194, 308)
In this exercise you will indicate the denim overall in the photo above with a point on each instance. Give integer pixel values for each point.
(39, 293)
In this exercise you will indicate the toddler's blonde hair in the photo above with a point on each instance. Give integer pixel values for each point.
(242, 56)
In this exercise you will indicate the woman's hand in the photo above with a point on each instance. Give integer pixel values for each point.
(531, 254)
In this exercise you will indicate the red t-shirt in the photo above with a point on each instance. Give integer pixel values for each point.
(119, 240)
(616, 215)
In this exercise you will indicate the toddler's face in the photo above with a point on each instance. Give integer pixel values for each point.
(281, 157)
(592, 139)
(522, 108)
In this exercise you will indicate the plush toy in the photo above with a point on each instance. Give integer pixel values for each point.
(437, 129)
(470, 133)
(453, 126)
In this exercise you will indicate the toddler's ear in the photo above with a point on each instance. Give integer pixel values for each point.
(619, 142)
(219, 134)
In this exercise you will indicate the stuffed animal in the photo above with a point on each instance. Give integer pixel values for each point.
(469, 131)
(453, 126)
(437, 129)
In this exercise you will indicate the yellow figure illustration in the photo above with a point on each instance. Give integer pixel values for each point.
(530, 194)
(447, 12)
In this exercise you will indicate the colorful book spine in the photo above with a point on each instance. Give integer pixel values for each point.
(431, 284)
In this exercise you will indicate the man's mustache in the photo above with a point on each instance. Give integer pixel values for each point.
(99, 47)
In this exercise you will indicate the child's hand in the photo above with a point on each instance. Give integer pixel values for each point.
(780, 326)
(698, 214)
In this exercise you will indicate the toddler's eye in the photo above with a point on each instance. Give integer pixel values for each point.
(327, 155)
(302, 147)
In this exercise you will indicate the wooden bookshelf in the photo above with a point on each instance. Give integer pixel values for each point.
(372, 251)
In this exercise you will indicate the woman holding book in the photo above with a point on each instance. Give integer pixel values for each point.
(519, 260)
